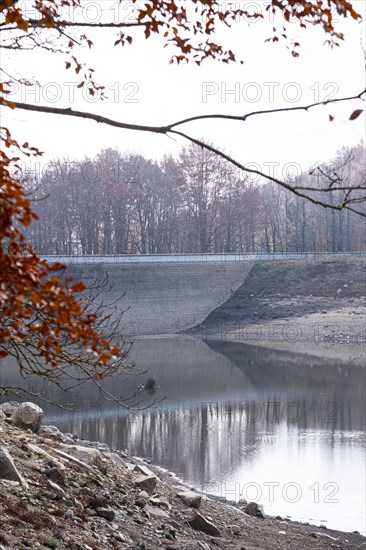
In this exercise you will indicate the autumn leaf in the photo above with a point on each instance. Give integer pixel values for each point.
(355, 114)
(78, 287)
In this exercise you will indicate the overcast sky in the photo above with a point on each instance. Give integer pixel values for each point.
(144, 88)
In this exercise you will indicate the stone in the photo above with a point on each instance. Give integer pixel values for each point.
(167, 545)
(141, 502)
(120, 537)
(159, 501)
(235, 529)
(69, 514)
(146, 483)
(56, 475)
(28, 416)
(190, 498)
(91, 457)
(325, 535)
(98, 502)
(67, 501)
(60, 493)
(9, 407)
(156, 512)
(254, 509)
(218, 542)
(106, 513)
(176, 526)
(51, 431)
(141, 469)
(8, 470)
(200, 523)
(170, 532)
(9, 483)
(78, 504)
(196, 545)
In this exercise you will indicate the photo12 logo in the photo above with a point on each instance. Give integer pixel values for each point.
(270, 92)
(69, 92)
(272, 491)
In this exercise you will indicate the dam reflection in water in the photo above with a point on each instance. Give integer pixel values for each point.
(242, 422)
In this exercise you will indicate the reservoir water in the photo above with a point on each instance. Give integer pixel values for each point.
(238, 421)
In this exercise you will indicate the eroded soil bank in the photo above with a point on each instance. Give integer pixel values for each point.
(312, 307)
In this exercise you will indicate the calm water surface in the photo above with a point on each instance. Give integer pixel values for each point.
(242, 422)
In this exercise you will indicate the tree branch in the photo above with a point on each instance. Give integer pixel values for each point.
(243, 118)
(82, 114)
(169, 129)
(109, 25)
(33, 23)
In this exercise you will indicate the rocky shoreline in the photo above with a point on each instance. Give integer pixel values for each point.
(61, 492)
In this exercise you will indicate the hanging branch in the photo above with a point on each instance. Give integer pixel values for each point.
(347, 201)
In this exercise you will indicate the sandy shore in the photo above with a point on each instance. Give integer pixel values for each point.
(336, 334)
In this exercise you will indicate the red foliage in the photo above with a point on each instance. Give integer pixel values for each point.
(32, 298)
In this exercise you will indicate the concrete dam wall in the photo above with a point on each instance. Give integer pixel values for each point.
(164, 298)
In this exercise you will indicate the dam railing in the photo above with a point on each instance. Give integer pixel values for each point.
(178, 258)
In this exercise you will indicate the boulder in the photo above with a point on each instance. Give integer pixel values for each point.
(190, 498)
(28, 416)
(200, 523)
(254, 509)
(2, 416)
(146, 483)
(8, 470)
